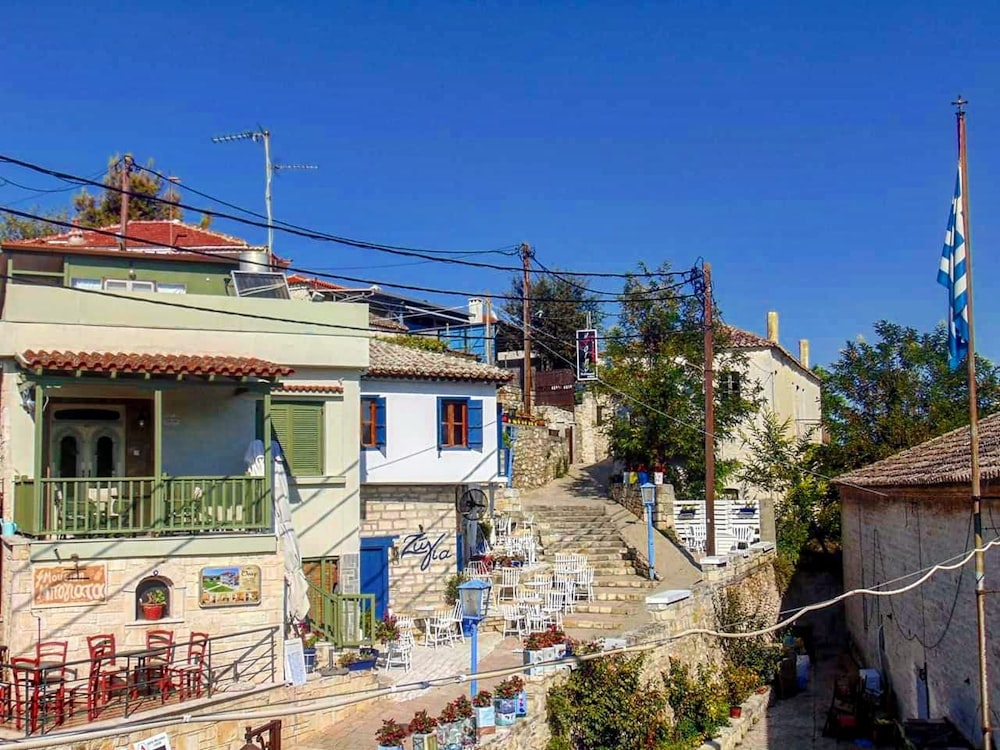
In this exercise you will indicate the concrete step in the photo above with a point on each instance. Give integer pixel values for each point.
(593, 621)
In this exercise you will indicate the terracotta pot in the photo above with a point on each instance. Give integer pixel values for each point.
(152, 611)
(735, 712)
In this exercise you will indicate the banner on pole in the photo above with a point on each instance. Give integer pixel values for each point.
(586, 354)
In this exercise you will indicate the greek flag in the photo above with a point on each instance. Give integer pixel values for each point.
(952, 276)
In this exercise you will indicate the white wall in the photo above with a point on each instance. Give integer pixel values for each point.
(197, 417)
(411, 455)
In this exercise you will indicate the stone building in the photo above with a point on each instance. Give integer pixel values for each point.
(902, 515)
(430, 431)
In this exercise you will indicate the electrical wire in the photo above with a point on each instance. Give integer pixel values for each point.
(362, 696)
(300, 231)
(303, 271)
(676, 420)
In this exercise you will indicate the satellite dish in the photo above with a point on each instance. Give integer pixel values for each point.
(473, 504)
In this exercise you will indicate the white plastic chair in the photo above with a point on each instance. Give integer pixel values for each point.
(509, 580)
(584, 584)
(399, 652)
(440, 630)
(456, 633)
(552, 609)
(513, 622)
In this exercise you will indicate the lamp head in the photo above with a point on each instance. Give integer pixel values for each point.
(648, 492)
(475, 598)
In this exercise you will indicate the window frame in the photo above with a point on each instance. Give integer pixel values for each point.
(447, 426)
(376, 437)
(288, 446)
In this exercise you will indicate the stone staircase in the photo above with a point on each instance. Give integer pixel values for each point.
(619, 588)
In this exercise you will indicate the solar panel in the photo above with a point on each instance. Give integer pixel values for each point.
(267, 284)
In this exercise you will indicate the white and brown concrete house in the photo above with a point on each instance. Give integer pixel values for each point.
(430, 430)
(905, 514)
(133, 383)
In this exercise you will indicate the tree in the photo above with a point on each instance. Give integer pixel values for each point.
(17, 228)
(560, 304)
(881, 398)
(655, 371)
(105, 209)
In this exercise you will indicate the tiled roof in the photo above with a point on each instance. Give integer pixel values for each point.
(943, 460)
(388, 360)
(297, 279)
(154, 364)
(740, 339)
(386, 324)
(305, 388)
(141, 233)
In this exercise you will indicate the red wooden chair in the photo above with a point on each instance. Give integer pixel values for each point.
(187, 678)
(51, 659)
(157, 665)
(25, 698)
(106, 678)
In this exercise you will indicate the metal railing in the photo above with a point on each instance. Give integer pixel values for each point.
(92, 507)
(39, 696)
(345, 620)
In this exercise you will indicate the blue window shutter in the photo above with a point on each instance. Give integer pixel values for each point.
(475, 423)
(380, 422)
(440, 422)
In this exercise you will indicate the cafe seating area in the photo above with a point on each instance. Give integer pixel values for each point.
(42, 689)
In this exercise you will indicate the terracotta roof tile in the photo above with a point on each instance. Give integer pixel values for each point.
(388, 360)
(740, 339)
(306, 388)
(156, 231)
(154, 364)
(943, 460)
(297, 279)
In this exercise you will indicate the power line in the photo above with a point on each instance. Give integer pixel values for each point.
(292, 706)
(302, 231)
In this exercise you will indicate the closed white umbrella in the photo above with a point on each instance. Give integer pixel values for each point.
(297, 587)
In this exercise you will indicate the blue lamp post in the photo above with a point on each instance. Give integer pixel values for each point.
(648, 492)
(475, 598)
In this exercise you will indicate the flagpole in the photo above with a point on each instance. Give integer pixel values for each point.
(977, 500)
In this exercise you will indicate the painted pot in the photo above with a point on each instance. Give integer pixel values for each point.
(309, 655)
(449, 736)
(506, 711)
(469, 731)
(424, 742)
(531, 657)
(486, 720)
(391, 747)
(521, 705)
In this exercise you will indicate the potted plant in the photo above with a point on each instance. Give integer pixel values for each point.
(687, 510)
(482, 704)
(391, 735)
(422, 730)
(740, 683)
(505, 700)
(357, 661)
(386, 630)
(534, 652)
(309, 639)
(153, 604)
(466, 713)
(451, 588)
(449, 730)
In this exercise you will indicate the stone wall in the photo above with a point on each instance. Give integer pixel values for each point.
(425, 522)
(115, 611)
(226, 734)
(692, 608)
(629, 497)
(593, 417)
(538, 457)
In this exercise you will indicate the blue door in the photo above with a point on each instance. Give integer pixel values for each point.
(375, 571)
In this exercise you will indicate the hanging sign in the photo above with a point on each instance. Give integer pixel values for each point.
(586, 354)
(58, 586)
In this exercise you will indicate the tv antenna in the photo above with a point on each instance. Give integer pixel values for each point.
(261, 135)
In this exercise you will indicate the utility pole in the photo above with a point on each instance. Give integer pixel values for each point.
(977, 498)
(126, 179)
(526, 256)
(706, 270)
(488, 341)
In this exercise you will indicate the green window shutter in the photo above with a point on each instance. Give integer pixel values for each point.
(298, 428)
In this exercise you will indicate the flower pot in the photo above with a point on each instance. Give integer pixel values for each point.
(361, 666)
(735, 712)
(534, 657)
(506, 711)
(391, 747)
(152, 611)
(425, 742)
(485, 720)
(309, 655)
(469, 738)
(521, 705)
(449, 736)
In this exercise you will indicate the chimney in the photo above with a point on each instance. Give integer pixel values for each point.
(475, 310)
(804, 352)
(772, 327)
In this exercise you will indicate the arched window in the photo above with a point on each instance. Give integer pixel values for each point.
(152, 591)
(68, 456)
(104, 456)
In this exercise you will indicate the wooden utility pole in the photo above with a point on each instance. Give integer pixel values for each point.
(977, 499)
(526, 325)
(706, 270)
(123, 221)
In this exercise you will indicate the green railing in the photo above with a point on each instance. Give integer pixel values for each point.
(343, 619)
(142, 505)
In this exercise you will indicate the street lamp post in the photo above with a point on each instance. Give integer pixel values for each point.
(475, 598)
(648, 491)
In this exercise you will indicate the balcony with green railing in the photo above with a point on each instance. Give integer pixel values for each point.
(136, 506)
(345, 620)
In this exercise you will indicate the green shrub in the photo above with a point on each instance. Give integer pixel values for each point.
(699, 702)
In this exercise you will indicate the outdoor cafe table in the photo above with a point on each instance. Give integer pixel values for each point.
(139, 674)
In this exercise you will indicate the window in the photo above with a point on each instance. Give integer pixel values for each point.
(89, 284)
(129, 285)
(372, 422)
(171, 288)
(729, 384)
(460, 423)
(298, 428)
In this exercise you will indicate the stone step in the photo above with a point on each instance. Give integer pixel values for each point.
(619, 594)
(593, 621)
(602, 569)
(591, 555)
(604, 608)
(632, 581)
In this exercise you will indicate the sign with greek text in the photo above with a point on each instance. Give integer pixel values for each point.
(156, 742)
(421, 546)
(230, 586)
(58, 586)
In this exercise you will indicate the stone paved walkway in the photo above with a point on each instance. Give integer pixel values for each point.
(359, 730)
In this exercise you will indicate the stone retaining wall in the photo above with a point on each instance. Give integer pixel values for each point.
(629, 497)
(538, 457)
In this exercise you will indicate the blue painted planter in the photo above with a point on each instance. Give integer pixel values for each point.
(506, 711)
(522, 704)
(309, 655)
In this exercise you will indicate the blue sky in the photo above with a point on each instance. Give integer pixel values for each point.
(807, 150)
